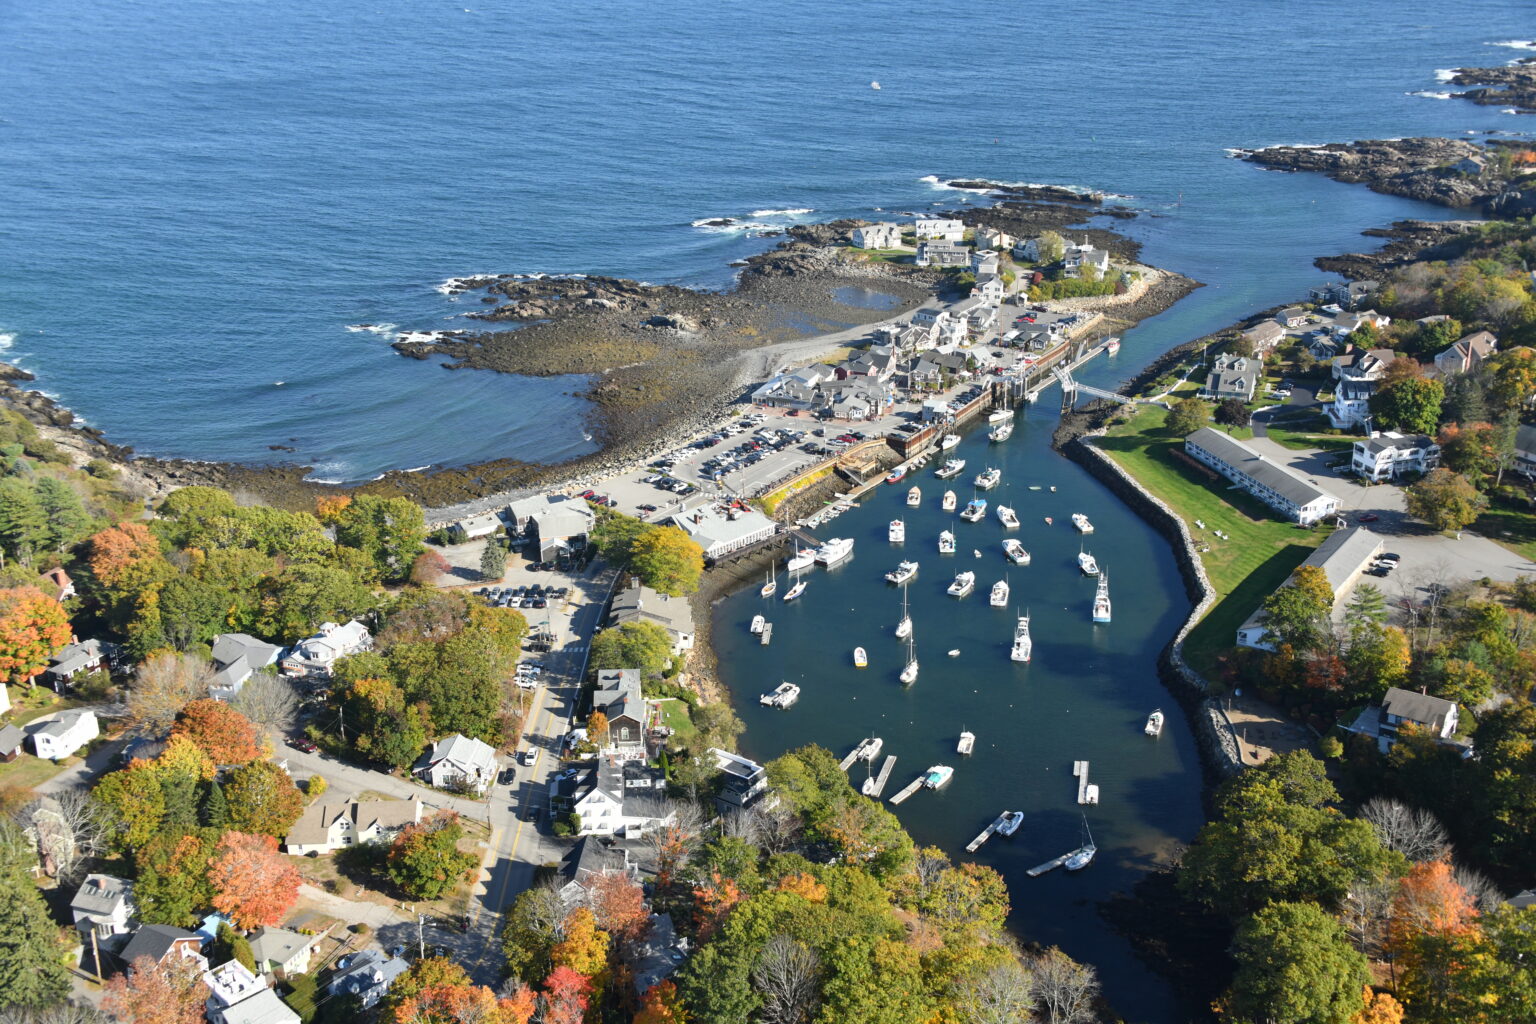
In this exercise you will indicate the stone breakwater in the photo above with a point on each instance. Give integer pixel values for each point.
(1219, 749)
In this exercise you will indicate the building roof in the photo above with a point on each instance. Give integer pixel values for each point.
(262, 1008)
(1265, 332)
(314, 826)
(154, 941)
(367, 970)
(591, 856)
(231, 982)
(1418, 707)
(76, 656)
(10, 738)
(1343, 553)
(278, 945)
(227, 647)
(722, 525)
(619, 693)
(65, 723)
(1291, 312)
(464, 750)
(1280, 479)
(1521, 900)
(1389, 440)
(638, 602)
(658, 954)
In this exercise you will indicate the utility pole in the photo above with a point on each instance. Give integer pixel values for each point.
(421, 942)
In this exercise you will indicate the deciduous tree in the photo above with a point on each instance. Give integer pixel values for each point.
(1445, 500)
(530, 929)
(125, 559)
(262, 799)
(1187, 416)
(1000, 994)
(1411, 831)
(1296, 966)
(33, 627)
(222, 733)
(253, 883)
(425, 859)
(389, 531)
(642, 645)
(565, 996)
(163, 685)
(164, 992)
(618, 904)
(1233, 412)
(1411, 405)
(667, 560)
(429, 567)
(1063, 989)
(788, 977)
(597, 728)
(584, 949)
(661, 1004)
(172, 885)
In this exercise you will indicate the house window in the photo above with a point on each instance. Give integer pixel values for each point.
(624, 733)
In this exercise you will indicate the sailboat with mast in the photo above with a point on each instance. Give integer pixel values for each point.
(770, 584)
(909, 673)
(1083, 855)
(904, 627)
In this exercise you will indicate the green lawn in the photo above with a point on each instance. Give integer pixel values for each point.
(1304, 441)
(1514, 528)
(674, 715)
(1262, 549)
(28, 772)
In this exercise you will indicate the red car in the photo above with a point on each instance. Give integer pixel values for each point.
(1369, 517)
(586, 494)
(306, 745)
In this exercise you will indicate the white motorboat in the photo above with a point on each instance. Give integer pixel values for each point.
(946, 543)
(1154, 723)
(904, 627)
(868, 749)
(782, 696)
(1081, 522)
(999, 598)
(1016, 552)
(909, 672)
(988, 479)
(974, 510)
(951, 469)
(1000, 416)
(1008, 517)
(795, 591)
(1001, 432)
(1008, 823)
(758, 622)
(1112, 345)
(949, 502)
(1023, 646)
(1086, 562)
(1083, 855)
(948, 441)
(937, 775)
(967, 743)
(954, 652)
(769, 585)
(1101, 599)
(964, 583)
(914, 497)
(834, 551)
(902, 573)
(800, 560)
(897, 531)
(860, 658)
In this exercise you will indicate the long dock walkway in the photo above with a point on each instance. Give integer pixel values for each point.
(1052, 865)
(884, 776)
(853, 755)
(1086, 794)
(912, 787)
(986, 833)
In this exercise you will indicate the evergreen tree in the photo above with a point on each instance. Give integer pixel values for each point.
(215, 807)
(23, 524)
(493, 561)
(67, 521)
(32, 973)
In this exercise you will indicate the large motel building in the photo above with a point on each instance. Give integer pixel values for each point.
(1279, 487)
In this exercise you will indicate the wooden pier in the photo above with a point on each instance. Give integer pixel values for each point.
(766, 635)
(884, 776)
(1052, 865)
(912, 787)
(986, 833)
(1080, 769)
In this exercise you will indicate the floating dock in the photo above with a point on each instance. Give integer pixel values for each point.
(884, 776)
(852, 757)
(912, 787)
(1080, 769)
(986, 833)
(766, 635)
(1052, 865)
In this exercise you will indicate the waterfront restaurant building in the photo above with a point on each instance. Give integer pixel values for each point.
(1279, 487)
(722, 528)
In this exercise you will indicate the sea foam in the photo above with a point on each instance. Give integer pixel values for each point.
(1515, 44)
(382, 330)
(1430, 94)
(1446, 74)
(795, 212)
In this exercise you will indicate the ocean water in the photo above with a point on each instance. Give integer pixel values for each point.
(196, 199)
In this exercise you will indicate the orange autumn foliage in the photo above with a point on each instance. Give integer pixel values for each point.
(465, 1004)
(329, 507)
(221, 732)
(157, 993)
(712, 902)
(661, 1005)
(1380, 1008)
(33, 626)
(124, 557)
(253, 883)
(805, 886)
(618, 904)
(585, 946)
(1430, 902)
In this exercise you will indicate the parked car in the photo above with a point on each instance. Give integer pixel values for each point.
(1369, 517)
(527, 757)
(305, 744)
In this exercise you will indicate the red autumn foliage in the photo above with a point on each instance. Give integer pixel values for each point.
(221, 732)
(565, 994)
(33, 626)
(156, 993)
(618, 903)
(253, 883)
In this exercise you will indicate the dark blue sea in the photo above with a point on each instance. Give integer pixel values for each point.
(197, 198)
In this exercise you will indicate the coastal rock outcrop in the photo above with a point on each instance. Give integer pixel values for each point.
(1513, 85)
(1032, 193)
(1434, 170)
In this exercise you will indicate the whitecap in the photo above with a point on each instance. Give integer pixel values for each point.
(1509, 110)
(795, 212)
(1515, 44)
(416, 469)
(1430, 94)
(713, 223)
(1446, 74)
(7, 339)
(383, 330)
(419, 337)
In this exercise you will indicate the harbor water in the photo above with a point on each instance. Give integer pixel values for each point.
(1085, 695)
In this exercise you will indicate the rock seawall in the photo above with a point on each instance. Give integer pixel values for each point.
(1213, 732)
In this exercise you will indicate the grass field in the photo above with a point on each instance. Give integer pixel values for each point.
(1511, 527)
(674, 715)
(1262, 549)
(1304, 441)
(28, 772)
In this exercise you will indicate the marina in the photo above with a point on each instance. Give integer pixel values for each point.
(874, 786)
(867, 750)
(765, 635)
(1006, 824)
